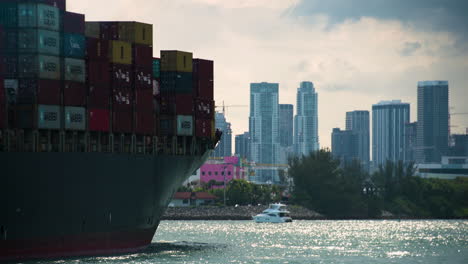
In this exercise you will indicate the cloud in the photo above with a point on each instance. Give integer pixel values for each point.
(354, 63)
(409, 48)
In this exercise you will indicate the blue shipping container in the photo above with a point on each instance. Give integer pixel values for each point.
(38, 15)
(39, 41)
(74, 45)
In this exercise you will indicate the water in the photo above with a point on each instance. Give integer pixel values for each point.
(302, 242)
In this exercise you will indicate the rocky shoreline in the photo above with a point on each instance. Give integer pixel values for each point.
(232, 213)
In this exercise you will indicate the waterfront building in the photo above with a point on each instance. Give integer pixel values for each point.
(345, 145)
(433, 121)
(388, 129)
(449, 168)
(460, 145)
(358, 123)
(224, 170)
(224, 148)
(242, 145)
(410, 141)
(263, 127)
(306, 137)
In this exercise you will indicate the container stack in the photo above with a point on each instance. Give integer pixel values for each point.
(176, 95)
(31, 57)
(203, 98)
(119, 58)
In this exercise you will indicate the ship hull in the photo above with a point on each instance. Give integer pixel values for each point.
(73, 204)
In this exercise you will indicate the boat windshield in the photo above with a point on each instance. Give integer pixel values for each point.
(284, 215)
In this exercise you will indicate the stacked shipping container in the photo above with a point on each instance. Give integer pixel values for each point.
(59, 73)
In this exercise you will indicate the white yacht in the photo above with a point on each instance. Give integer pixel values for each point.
(276, 213)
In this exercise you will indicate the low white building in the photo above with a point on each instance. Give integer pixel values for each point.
(450, 168)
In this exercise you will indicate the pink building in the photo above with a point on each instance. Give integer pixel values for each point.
(216, 170)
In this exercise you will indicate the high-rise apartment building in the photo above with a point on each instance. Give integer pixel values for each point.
(345, 145)
(264, 128)
(433, 123)
(242, 145)
(286, 128)
(388, 130)
(306, 138)
(410, 141)
(224, 148)
(358, 123)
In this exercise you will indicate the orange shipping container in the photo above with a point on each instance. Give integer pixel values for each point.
(120, 52)
(176, 61)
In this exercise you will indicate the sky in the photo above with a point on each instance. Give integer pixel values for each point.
(356, 53)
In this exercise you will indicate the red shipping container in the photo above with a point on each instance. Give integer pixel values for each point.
(122, 121)
(98, 120)
(97, 49)
(99, 95)
(121, 75)
(2, 91)
(109, 30)
(203, 78)
(98, 71)
(142, 79)
(203, 128)
(122, 98)
(38, 91)
(74, 94)
(144, 100)
(143, 56)
(144, 123)
(3, 115)
(204, 108)
(73, 23)
(184, 104)
(167, 104)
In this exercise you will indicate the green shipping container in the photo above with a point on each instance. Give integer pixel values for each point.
(38, 15)
(156, 68)
(9, 14)
(75, 70)
(39, 66)
(39, 41)
(92, 30)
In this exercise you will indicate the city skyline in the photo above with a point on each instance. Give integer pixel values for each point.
(355, 54)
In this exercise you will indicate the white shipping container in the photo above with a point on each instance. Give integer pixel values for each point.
(185, 125)
(75, 118)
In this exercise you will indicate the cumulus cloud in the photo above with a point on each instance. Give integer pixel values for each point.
(357, 62)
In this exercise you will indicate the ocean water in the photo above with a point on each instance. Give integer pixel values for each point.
(431, 241)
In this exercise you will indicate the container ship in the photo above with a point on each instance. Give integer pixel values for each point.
(96, 134)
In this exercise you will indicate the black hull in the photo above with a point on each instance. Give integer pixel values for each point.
(68, 204)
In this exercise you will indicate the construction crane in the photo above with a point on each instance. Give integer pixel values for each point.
(228, 106)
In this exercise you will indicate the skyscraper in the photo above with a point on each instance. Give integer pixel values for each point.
(388, 130)
(263, 127)
(358, 123)
(433, 125)
(306, 137)
(344, 145)
(224, 148)
(242, 145)
(410, 141)
(286, 115)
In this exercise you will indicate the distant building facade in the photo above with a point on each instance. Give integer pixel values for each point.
(264, 127)
(242, 145)
(224, 170)
(388, 130)
(460, 145)
(224, 148)
(358, 123)
(410, 141)
(345, 145)
(286, 127)
(433, 123)
(306, 137)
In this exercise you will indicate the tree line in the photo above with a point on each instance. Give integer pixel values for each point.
(348, 191)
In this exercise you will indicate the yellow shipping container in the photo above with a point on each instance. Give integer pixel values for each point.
(120, 52)
(174, 60)
(136, 32)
